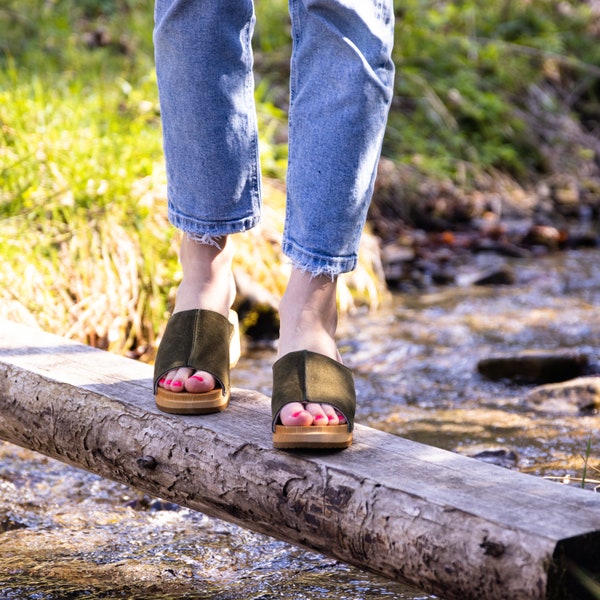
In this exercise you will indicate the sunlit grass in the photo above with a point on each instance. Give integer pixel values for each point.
(85, 245)
(86, 249)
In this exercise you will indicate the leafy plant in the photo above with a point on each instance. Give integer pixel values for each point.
(464, 73)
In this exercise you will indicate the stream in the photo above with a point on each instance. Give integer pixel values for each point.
(66, 533)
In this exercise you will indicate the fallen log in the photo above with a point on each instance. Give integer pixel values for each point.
(448, 524)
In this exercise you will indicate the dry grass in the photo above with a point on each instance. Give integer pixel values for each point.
(97, 279)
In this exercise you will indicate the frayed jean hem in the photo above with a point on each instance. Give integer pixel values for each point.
(316, 265)
(206, 232)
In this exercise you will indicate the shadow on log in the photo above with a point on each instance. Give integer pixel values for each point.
(450, 525)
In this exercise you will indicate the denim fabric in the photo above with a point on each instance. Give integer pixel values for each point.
(340, 90)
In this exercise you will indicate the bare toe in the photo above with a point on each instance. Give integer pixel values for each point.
(295, 415)
(167, 381)
(200, 382)
(332, 415)
(186, 380)
(162, 382)
(325, 414)
(319, 416)
(175, 380)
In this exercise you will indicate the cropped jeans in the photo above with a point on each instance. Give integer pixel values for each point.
(341, 86)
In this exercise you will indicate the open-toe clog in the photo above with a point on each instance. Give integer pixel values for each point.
(306, 376)
(202, 340)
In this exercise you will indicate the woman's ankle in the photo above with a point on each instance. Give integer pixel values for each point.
(308, 315)
(207, 281)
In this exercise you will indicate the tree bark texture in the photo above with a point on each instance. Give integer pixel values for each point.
(450, 525)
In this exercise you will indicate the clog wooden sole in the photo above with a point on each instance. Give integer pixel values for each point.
(312, 437)
(304, 377)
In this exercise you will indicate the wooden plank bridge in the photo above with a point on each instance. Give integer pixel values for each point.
(450, 525)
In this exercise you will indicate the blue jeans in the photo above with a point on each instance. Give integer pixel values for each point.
(341, 86)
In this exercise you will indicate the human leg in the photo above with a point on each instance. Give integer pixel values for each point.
(308, 316)
(207, 284)
(204, 71)
(341, 89)
(206, 88)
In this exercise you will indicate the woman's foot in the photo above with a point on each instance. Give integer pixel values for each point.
(207, 284)
(308, 316)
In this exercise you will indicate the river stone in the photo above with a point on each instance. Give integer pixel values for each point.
(533, 366)
(501, 457)
(502, 275)
(580, 395)
(10, 522)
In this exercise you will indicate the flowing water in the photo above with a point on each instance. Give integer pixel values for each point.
(65, 533)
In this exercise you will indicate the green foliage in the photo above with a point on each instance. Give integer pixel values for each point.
(273, 28)
(463, 68)
(77, 38)
(82, 245)
(464, 71)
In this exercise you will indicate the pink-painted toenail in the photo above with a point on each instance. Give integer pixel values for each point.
(177, 383)
(296, 414)
(161, 380)
(319, 417)
(331, 417)
(197, 377)
(168, 381)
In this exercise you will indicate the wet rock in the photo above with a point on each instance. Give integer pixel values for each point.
(501, 457)
(567, 196)
(397, 261)
(9, 522)
(546, 236)
(491, 275)
(444, 276)
(502, 248)
(392, 254)
(533, 366)
(148, 503)
(580, 395)
(502, 275)
(586, 238)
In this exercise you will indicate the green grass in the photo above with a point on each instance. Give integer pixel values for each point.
(465, 70)
(86, 250)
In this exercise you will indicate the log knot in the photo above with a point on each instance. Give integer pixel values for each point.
(491, 548)
(147, 462)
